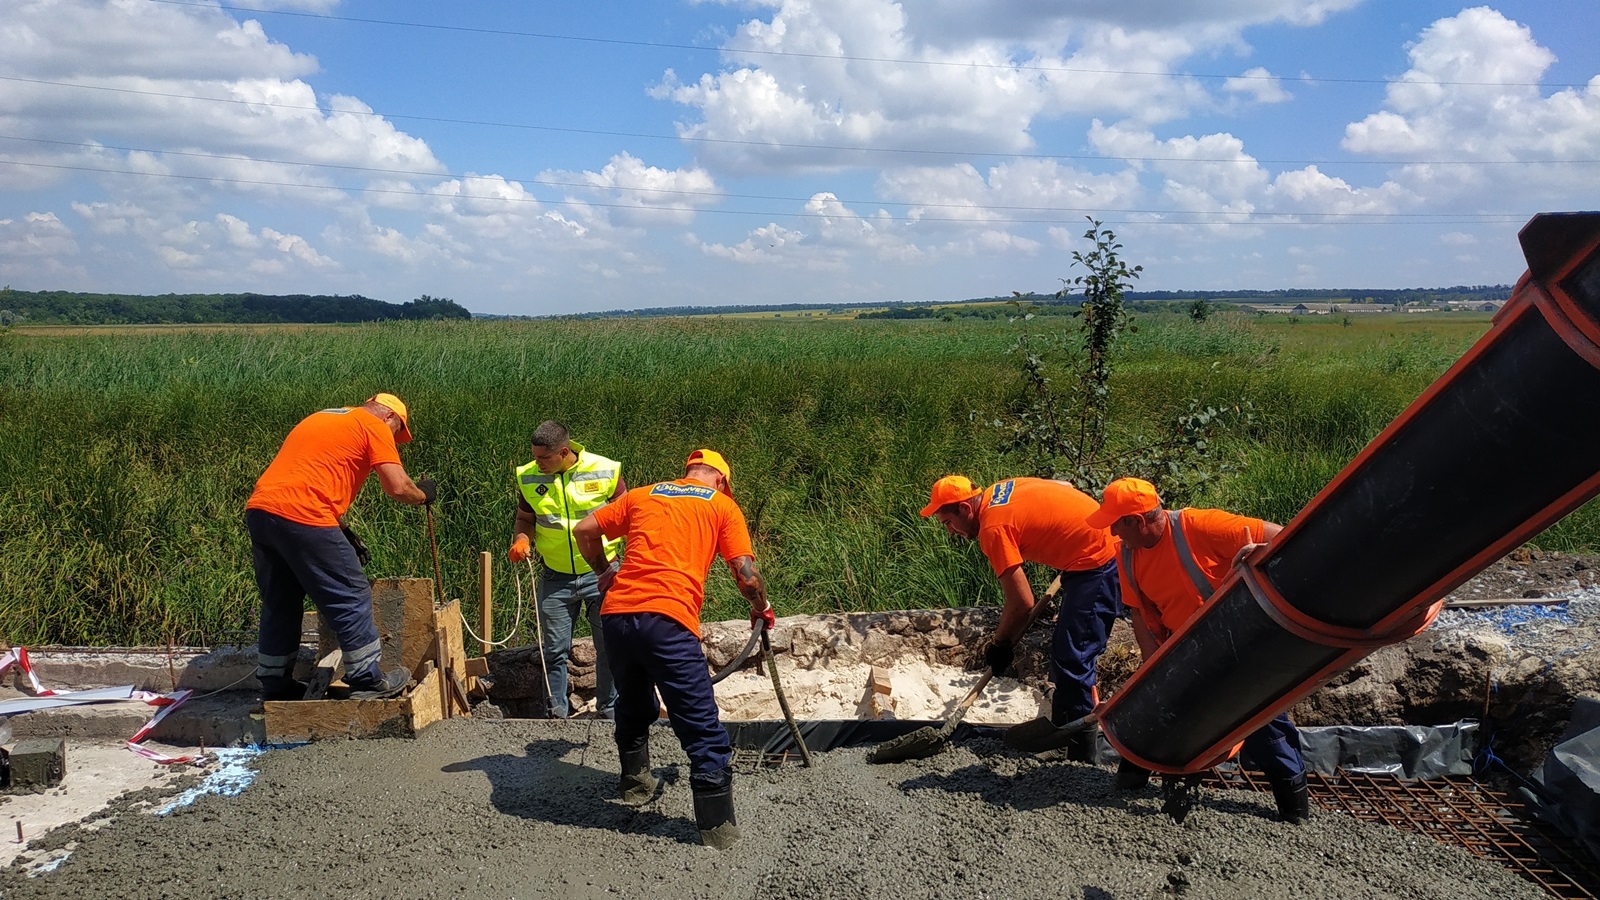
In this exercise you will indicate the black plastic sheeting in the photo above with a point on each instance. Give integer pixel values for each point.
(1406, 751)
(1566, 791)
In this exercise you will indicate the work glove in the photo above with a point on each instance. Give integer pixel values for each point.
(360, 546)
(998, 656)
(767, 615)
(520, 550)
(429, 489)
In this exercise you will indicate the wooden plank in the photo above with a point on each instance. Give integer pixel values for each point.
(310, 720)
(448, 618)
(477, 667)
(427, 704)
(323, 675)
(417, 632)
(1504, 601)
(485, 601)
(398, 604)
(441, 658)
(880, 681)
(458, 692)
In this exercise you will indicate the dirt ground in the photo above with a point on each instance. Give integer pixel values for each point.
(523, 809)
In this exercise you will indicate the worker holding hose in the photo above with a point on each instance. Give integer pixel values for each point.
(563, 484)
(1169, 563)
(651, 619)
(299, 547)
(1036, 520)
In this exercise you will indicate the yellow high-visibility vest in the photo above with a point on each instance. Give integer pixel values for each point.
(561, 501)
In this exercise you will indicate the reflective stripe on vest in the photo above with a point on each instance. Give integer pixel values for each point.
(1180, 543)
(562, 500)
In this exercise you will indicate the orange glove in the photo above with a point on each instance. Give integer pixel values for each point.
(520, 549)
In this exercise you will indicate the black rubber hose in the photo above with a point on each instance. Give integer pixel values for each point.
(749, 648)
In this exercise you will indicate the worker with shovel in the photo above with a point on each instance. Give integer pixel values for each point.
(1036, 520)
(651, 619)
(1170, 562)
(300, 548)
(562, 485)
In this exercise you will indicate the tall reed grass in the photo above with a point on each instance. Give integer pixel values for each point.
(126, 457)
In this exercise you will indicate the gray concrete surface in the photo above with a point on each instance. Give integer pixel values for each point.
(524, 809)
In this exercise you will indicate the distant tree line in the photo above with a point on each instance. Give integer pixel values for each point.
(1053, 304)
(70, 308)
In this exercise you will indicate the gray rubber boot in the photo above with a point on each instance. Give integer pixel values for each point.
(636, 783)
(713, 813)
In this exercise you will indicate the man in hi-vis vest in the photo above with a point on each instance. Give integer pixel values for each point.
(1169, 563)
(562, 485)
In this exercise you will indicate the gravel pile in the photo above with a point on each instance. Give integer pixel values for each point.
(521, 809)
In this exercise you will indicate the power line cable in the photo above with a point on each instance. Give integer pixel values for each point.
(845, 148)
(1252, 218)
(664, 45)
(545, 182)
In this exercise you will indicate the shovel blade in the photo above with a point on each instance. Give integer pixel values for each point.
(919, 744)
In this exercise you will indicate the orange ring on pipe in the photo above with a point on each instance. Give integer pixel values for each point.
(1317, 631)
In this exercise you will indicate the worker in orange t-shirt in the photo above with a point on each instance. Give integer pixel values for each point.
(650, 613)
(300, 546)
(1170, 563)
(1036, 520)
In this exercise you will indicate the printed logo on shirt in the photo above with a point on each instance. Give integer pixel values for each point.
(590, 487)
(667, 489)
(1001, 494)
(542, 489)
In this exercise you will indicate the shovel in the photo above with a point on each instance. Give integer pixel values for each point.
(927, 741)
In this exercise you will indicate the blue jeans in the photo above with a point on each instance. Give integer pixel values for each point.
(1091, 601)
(559, 598)
(654, 653)
(293, 561)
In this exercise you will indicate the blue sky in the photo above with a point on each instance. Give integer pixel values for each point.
(541, 158)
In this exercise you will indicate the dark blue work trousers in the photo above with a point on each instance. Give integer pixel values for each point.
(650, 652)
(293, 561)
(1091, 600)
(1275, 749)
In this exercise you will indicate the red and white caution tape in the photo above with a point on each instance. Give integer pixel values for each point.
(166, 702)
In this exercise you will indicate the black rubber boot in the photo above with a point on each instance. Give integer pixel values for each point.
(373, 685)
(1180, 795)
(713, 813)
(1084, 746)
(1294, 800)
(636, 783)
(1131, 776)
(281, 687)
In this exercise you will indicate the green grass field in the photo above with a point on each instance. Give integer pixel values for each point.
(126, 456)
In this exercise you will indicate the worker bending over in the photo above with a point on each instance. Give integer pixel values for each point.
(651, 619)
(300, 548)
(562, 485)
(1035, 520)
(1170, 563)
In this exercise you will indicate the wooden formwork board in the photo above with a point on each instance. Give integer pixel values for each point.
(311, 720)
(431, 648)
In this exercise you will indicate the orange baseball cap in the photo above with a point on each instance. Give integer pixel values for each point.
(713, 459)
(947, 490)
(398, 407)
(1123, 497)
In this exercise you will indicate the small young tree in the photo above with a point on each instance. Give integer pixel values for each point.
(1068, 436)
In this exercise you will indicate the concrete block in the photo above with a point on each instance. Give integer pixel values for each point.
(37, 764)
